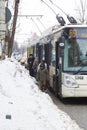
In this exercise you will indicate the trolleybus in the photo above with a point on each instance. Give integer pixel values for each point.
(65, 52)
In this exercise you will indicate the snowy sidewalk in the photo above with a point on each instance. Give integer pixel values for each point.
(23, 106)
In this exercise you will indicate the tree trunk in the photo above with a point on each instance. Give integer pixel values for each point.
(11, 41)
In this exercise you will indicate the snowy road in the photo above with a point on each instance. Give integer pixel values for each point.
(76, 109)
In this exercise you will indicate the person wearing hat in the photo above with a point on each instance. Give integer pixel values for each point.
(42, 76)
(42, 62)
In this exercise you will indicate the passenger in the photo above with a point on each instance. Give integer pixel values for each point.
(30, 64)
(35, 65)
(42, 76)
(42, 62)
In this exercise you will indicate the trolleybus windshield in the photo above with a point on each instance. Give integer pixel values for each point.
(75, 51)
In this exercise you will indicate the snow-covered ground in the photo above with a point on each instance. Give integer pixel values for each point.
(23, 106)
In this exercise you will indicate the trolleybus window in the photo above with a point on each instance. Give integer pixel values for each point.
(75, 52)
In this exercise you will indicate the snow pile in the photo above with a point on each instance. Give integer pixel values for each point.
(23, 106)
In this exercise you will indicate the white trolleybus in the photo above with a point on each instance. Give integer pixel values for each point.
(65, 51)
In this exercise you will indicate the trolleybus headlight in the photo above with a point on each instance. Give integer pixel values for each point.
(69, 82)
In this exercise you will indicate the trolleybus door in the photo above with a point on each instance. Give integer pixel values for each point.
(59, 56)
(47, 54)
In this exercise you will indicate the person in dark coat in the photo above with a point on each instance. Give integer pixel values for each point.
(30, 64)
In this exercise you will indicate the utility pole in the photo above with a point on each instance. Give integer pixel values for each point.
(11, 41)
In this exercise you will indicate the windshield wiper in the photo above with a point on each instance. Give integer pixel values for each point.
(79, 70)
(84, 63)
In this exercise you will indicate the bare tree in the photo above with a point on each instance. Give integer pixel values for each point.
(10, 44)
(81, 11)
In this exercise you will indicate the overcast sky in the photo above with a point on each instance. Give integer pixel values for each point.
(25, 26)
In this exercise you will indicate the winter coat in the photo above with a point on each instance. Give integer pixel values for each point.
(42, 74)
(35, 65)
(30, 62)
